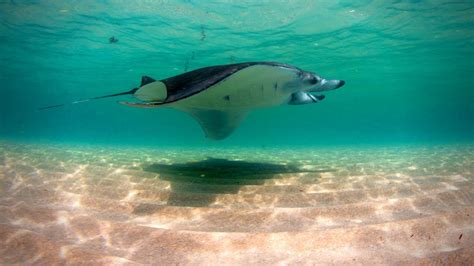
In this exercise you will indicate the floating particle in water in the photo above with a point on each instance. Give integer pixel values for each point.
(203, 33)
(113, 39)
(188, 60)
(186, 64)
(460, 236)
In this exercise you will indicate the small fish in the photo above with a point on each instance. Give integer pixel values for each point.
(186, 64)
(203, 34)
(113, 39)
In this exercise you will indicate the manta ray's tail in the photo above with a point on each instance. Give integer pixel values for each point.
(132, 91)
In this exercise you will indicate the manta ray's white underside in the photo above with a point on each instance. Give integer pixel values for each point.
(220, 108)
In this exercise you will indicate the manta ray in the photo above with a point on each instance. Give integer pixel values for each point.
(220, 97)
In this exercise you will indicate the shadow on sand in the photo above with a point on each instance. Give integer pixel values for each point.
(198, 183)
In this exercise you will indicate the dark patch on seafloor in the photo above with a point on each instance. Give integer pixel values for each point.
(198, 183)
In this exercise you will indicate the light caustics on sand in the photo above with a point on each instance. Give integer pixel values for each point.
(142, 206)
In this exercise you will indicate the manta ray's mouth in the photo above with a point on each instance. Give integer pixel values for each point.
(327, 85)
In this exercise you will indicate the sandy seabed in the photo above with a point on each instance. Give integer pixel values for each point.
(66, 204)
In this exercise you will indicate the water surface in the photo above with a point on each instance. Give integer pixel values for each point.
(408, 66)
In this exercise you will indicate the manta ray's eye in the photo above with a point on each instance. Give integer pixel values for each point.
(313, 80)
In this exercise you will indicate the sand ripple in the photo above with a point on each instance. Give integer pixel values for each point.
(103, 205)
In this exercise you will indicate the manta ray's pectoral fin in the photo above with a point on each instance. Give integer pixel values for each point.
(217, 124)
(304, 98)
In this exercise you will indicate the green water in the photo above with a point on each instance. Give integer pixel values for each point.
(379, 172)
(408, 66)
